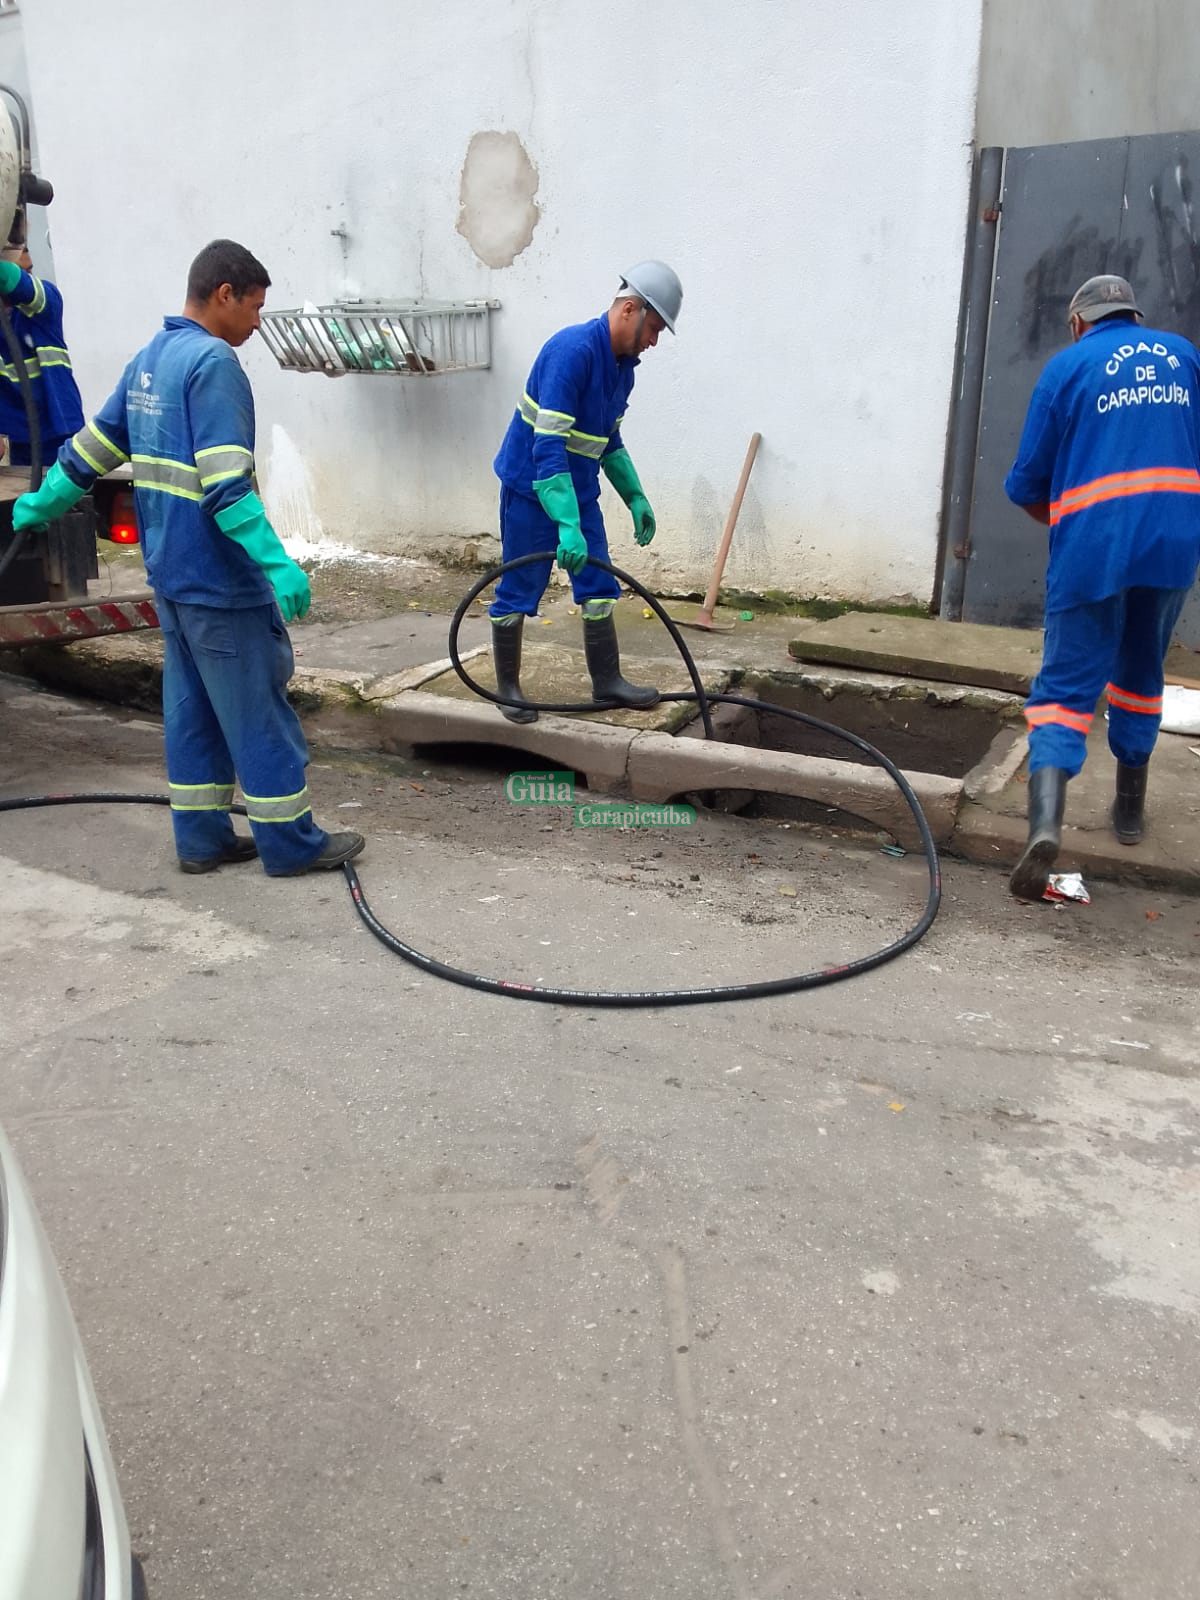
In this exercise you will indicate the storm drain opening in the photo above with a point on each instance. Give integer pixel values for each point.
(949, 733)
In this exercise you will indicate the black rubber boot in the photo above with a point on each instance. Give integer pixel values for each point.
(506, 653)
(1047, 799)
(603, 656)
(240, 850)
(1128, 812)
(335, 852)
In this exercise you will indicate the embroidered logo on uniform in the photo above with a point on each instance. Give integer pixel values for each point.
(145, 379)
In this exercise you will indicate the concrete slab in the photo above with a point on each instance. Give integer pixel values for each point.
(555, 672)
(953, 652)
(385, 646)
(924, 647)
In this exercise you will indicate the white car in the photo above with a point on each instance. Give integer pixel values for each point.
(62, 1526)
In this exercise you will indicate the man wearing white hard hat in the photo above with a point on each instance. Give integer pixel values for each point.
(565, 429)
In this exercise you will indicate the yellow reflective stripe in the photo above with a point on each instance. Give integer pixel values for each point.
(100, 453)
(167, 461)
(223, 461)
(33, 369)
(35, 307)
(46, 355)
(201, 796)
(166, 488)
(557, 424)
(552, 422)
(278, 808)
(593, 447)
(172, 477)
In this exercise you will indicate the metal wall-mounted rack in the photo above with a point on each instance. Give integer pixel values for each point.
(397, 338)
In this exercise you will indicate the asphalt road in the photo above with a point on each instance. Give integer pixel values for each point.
(888, 1290)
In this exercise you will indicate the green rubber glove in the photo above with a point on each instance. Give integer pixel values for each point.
(622, 474)
(55, 497)
(561, 505)
(10, 276)
(245, 522)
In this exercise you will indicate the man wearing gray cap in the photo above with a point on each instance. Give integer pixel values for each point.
(1110, 462)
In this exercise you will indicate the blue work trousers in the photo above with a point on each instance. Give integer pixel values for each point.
(1115, 647)
(525, 528)
(226, 716)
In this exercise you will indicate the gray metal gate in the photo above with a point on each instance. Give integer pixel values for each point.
(1066, 211)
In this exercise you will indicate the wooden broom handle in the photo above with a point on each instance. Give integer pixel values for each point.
(710, 599)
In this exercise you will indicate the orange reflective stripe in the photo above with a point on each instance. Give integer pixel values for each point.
(1147, 480)
(1147, 705)
(1059, 716)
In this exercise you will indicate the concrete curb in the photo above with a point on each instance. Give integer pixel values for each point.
(597, 749)
(997, 841)
(661, 767)
(356, 711)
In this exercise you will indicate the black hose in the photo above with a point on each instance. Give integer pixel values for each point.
(16, 356)
(489, 578)
(616, 998)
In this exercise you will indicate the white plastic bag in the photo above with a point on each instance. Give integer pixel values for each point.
(1181, 709)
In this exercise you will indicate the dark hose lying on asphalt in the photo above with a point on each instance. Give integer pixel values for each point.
(615, 998)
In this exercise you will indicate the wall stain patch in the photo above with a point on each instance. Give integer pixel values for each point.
(497, 211)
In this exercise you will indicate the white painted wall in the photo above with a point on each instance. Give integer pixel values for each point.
(803, 167)
(1093, 69)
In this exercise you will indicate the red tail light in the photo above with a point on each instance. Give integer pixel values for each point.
(122, 524)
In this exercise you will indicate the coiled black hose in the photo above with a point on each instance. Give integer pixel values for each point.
(616, 999)
(708, 994)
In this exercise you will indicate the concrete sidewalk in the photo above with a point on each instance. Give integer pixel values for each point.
(386, 683)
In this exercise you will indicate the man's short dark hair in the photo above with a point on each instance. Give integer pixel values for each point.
(223, 261)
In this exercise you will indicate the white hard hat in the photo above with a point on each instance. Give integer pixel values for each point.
(656, 284)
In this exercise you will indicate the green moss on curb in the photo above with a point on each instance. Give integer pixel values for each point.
(779, 603)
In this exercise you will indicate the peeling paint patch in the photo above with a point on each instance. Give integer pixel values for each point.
(497, 211)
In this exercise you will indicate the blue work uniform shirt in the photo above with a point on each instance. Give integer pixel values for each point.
(570, 414)
(183, 415)
(38, 326)
(1112, 445)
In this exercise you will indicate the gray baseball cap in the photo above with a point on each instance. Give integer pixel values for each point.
(1101, 296)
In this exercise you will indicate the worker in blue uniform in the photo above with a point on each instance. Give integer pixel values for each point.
(38, 325)
(1110, 461)
(224, 586)
(565, 429)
